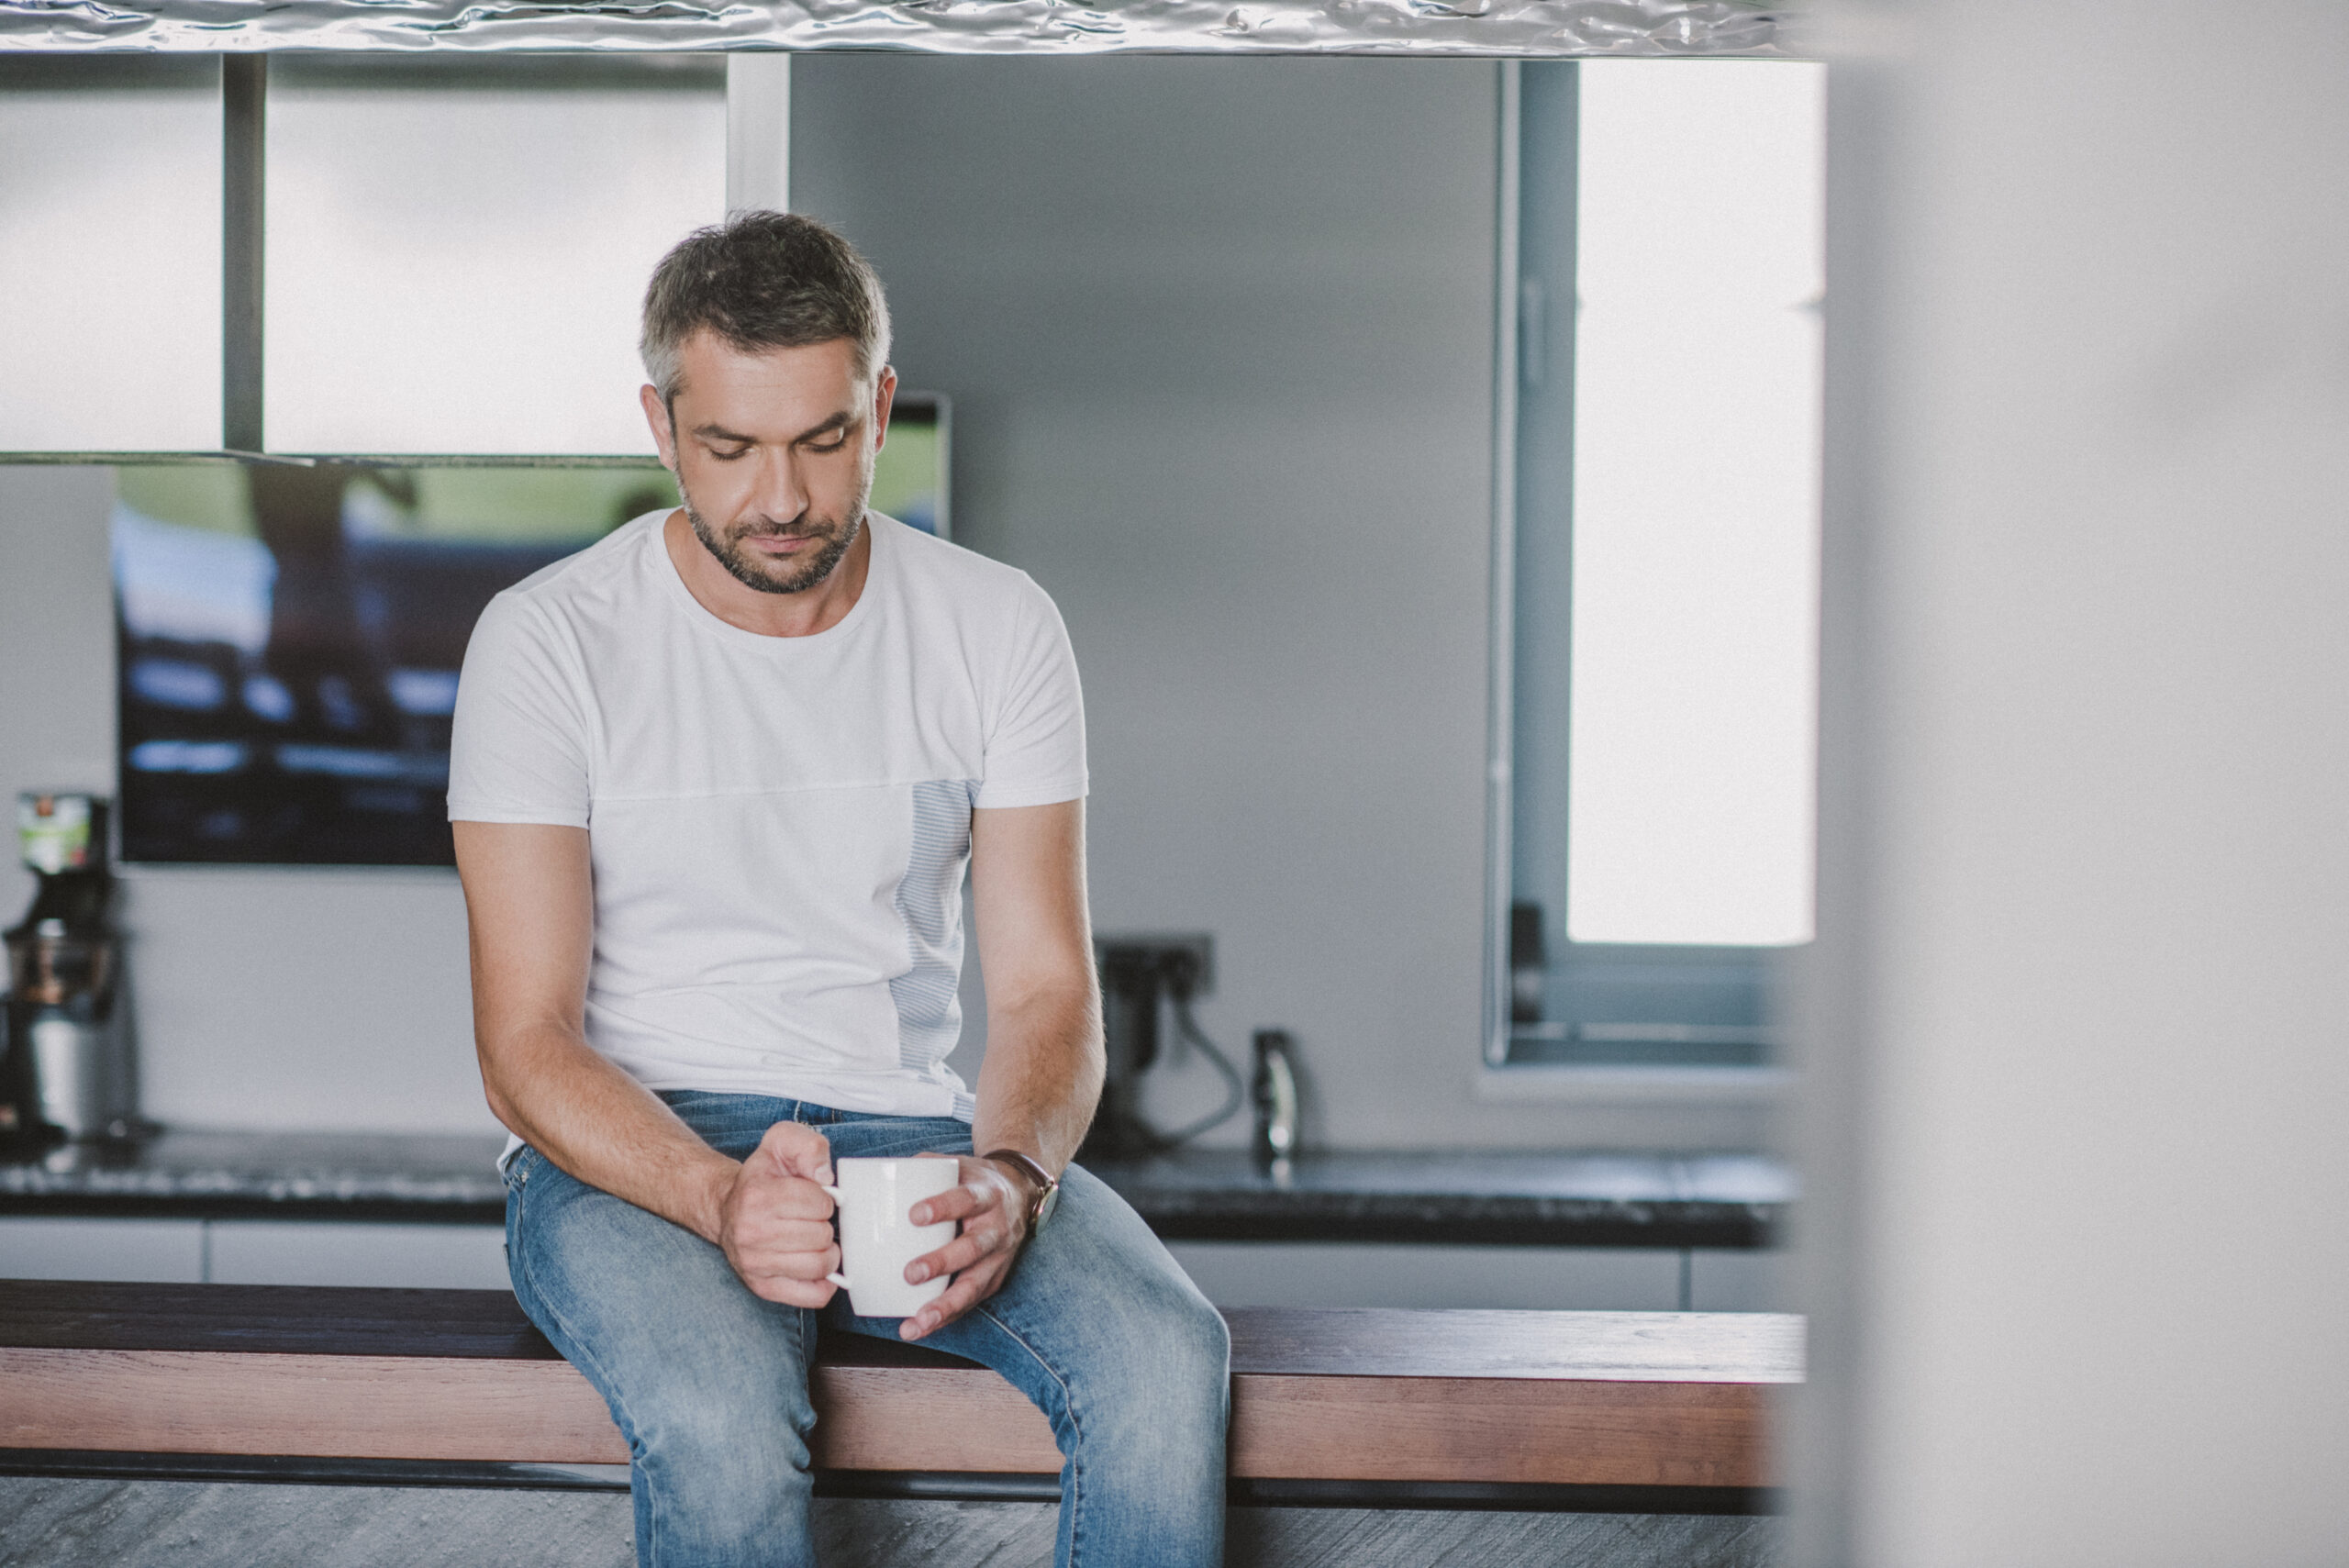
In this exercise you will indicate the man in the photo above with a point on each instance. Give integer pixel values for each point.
(716, 783)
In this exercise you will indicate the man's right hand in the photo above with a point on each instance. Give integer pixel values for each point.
(775, 1220)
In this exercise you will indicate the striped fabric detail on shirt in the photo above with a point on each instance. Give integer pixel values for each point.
(930, 901)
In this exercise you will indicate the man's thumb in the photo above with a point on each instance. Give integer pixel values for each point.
(798, 1150)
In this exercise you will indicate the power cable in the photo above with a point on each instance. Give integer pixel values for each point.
(1187, 1027)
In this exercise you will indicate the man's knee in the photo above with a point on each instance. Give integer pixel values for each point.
(1198, 1339)
(1176, 1364)
(724, 1465)
(710, 1425)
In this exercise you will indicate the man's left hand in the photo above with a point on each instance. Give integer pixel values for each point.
(992, 1205)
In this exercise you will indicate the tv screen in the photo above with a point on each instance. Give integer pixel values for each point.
(290, 635)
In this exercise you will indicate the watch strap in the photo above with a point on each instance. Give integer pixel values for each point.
(1047, 1184)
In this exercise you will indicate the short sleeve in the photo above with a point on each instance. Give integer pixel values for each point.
(1035, 734)
(519, 750)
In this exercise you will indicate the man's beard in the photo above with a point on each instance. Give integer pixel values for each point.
(778, 575)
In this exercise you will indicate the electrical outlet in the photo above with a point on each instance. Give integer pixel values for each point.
(1174, 958)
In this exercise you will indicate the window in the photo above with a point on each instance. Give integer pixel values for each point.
(1654, 833)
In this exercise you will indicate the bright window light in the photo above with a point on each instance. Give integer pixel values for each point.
(1692, 787)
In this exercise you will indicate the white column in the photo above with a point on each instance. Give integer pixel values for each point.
(2078, 1149)
(757, 131)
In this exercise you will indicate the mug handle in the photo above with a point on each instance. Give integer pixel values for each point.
(837, 1277)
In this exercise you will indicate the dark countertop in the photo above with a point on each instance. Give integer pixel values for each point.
(1564, 1199)
(222, 1174)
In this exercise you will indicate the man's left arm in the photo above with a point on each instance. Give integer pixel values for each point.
(1042, 1077)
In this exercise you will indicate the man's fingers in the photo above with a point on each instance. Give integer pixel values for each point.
(794, 1263)
(766, 1191)
(762, 1204)
(795, 1149)
(792, 1292)
(955, 1256)
(960, 1297)
(796, 1279)
(970, 1287)
(763, 1234)
(778, 1232)
(956, 1203)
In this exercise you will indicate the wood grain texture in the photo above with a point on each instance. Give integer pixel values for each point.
(178, 1524)
(1641, 1399)
(321, 1320)
(1564, 1431)
(1665, 1346)
(533, 1412)
(927, 1418)
(1568, 1432)
(1418, 1538)
(293, 1319)
(363, 1406)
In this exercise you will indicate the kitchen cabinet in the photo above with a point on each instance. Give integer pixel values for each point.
(283, 1251)
(1751, 1279)
(1590, 1232)
(38, 1247)
(1232, 1274)
(254, 1251)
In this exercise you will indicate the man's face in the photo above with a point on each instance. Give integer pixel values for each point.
(772, 453)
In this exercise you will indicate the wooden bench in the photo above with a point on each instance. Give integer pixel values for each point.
(1588, 1399)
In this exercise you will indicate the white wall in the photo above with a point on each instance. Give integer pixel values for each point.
(265, 997)
(1220, 337)
(2074, 1236)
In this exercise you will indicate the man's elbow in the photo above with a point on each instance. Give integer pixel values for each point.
(499, 1106)
(1092, 1057)
(494, 1071)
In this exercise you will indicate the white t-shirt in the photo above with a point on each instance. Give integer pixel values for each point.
(779, 826)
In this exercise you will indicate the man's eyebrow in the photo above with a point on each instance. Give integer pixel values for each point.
(840, 421)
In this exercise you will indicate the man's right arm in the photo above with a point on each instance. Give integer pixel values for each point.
(529, 899)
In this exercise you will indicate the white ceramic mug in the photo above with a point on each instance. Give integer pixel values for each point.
(876, 1196)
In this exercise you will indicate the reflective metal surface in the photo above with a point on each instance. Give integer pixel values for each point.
(1526, 28)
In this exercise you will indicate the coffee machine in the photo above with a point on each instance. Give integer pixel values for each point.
(66, 1071)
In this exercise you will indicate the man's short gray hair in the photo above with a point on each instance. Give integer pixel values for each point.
(762, 280)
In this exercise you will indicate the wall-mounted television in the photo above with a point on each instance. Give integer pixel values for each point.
(289, 635)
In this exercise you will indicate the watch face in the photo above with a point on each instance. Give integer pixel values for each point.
(1044, 1207)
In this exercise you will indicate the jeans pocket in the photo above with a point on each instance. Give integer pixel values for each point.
(517, 1170)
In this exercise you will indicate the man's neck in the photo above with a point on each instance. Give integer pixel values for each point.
(737, 604)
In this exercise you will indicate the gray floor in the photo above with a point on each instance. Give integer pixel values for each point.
(190, 1524)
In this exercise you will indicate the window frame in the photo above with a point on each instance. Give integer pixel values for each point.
(1533, 337)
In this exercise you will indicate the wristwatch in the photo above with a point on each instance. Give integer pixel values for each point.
(1048, 1186)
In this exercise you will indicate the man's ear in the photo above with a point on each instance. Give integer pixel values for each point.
(884, 394)
(664, 432)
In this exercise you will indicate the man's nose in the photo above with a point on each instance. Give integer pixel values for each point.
(780, 493)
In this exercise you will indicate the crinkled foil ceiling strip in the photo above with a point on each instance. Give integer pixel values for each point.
(1529, 28)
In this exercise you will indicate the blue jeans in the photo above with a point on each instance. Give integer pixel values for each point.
(1096, 1325)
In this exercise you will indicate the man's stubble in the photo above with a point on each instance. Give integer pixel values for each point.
(755, 573)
